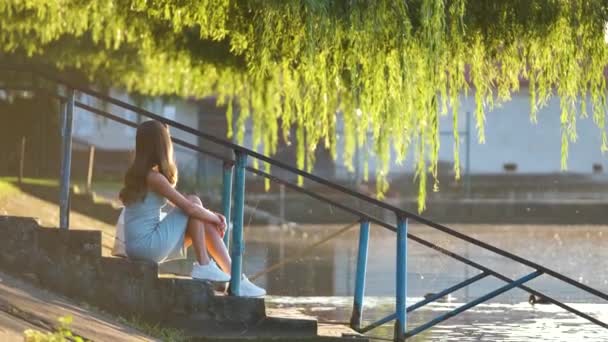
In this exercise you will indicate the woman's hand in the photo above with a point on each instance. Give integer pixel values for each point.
(217, 220)
(221, 227)
(198, 211)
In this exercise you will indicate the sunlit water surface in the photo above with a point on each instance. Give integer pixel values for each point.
(323, 281)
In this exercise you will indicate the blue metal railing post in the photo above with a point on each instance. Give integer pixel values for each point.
(401, 310)
(468, 156)
(227, 198)
(355, 319)
(66, 160)
(237, 230)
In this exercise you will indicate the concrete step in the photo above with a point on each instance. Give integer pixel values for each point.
(200, 327)
(280, 338)
(198, 299)
(270, 328)
(25, 306)
(70, 262)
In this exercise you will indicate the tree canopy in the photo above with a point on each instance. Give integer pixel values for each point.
(388, 67)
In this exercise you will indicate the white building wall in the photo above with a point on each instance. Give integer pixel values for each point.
(186, 113)
(108, 134)
(510, 137)
(102, 132)
(535, 148)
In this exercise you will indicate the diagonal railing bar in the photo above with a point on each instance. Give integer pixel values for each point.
(422, 303)
(320, 180)
(134, 125)
(378, 323)
(472, 304)
(447, 291)
(513, 257)
(322, 198)
(506, 279)
(151, 115)
(560, 304)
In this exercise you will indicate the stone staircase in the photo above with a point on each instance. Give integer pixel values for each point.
(70, 262)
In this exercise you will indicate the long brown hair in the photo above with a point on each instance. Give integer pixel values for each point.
(153, 149)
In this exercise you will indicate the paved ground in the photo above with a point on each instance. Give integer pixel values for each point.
(23, 306)
(324, 329)
(23, 204)
(11, 328)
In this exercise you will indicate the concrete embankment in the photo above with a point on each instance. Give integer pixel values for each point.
(26, 306)
(70, 262)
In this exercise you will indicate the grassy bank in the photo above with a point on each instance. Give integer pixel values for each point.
(7, 189)
(106, 189)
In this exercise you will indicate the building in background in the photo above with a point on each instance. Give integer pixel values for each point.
(116, 141)
(513, 144)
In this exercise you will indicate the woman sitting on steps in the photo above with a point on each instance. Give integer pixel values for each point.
(149, 184)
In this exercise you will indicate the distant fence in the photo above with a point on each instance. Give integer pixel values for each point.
(107, 164)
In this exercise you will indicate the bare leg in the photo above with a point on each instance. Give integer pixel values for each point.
(217, 248)
(196, 232)
(187, 240)
(210, 240)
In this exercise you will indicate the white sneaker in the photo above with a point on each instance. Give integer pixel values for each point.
(249, 289)
(209, 272)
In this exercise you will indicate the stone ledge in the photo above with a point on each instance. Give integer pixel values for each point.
(280, 339)
(268, 327)
(70, 262)
(41, 309)
(73, 242)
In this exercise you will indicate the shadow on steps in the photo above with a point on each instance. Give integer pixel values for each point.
(70, 262)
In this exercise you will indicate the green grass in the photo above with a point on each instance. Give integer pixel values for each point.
(7, 189)
(31, 181)
(62, 333)
(155, 330)
(101, 186)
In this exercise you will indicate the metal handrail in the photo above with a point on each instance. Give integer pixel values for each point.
(366, 218)
(355, 212)
(226, 144)
(369, 218)
(398, 211)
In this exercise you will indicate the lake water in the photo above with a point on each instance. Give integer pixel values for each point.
(323, 281)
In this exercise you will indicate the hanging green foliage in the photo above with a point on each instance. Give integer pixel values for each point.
(389, 68)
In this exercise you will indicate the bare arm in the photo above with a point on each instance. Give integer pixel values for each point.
(159, 184)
